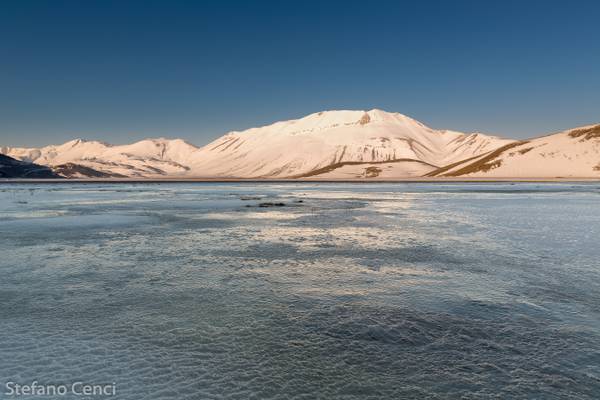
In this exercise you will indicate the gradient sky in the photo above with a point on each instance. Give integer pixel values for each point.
(120, 71)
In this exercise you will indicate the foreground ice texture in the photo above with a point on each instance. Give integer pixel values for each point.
(348, 291)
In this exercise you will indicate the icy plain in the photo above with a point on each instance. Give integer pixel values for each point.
(346, 291)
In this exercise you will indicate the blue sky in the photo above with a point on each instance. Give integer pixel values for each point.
(120, 71)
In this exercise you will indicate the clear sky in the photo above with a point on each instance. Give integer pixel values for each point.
(120, 71)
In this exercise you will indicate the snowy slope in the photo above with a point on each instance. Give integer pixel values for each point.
(573, 153)
(146, 158)
(327, 140)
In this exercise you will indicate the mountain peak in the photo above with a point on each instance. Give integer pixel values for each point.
(363, 117)
(74, 142)
(80, 142)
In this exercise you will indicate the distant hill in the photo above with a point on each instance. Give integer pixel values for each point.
(574, 153)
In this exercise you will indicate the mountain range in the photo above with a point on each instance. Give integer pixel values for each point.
(330, 145)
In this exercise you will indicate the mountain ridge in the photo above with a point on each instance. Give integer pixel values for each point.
(334, 144)
(574, 153)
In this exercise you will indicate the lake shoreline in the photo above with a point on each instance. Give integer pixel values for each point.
(260, 181)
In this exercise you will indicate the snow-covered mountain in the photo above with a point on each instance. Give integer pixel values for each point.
(339, 144)
(574, 153)
(331, 145)
(79, 158)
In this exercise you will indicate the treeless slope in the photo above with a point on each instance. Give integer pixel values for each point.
(572, 153)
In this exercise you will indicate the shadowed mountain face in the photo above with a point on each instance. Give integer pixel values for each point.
(71, 170)
(11, 168)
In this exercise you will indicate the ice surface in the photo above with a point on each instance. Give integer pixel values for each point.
(372, 291)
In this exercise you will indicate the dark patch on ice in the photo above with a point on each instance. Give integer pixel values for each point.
(267, 204)
(271, 204)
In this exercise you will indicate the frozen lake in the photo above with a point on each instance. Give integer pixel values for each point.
(353, 291)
